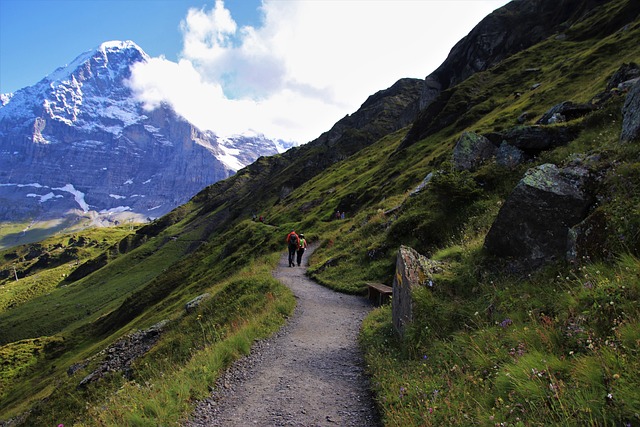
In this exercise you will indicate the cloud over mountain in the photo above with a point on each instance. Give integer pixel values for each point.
(305, 66)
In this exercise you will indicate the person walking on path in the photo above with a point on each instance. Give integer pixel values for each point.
(310, 373)
(292, 241)
(302, 245)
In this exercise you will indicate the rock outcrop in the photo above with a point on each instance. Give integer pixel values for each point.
(497, 37)
(624, 74)
(412, 270)
(471, 151)
(509, 148)
(565, 111)
(119, 356)
(631, 115)
(532, 140)
(533, 224)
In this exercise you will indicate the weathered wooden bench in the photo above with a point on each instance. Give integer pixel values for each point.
(379, 293)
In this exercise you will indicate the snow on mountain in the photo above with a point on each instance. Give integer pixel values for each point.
(282, 145)
(81, 134)
(5, 98)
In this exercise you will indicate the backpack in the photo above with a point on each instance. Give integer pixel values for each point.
(293, 240)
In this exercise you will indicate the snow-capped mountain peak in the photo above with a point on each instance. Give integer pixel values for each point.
(113, 56)
(92, 84)
(118, 45)
(82, 128)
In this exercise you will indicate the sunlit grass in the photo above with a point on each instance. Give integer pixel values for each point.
(186, 362)
(562, 365)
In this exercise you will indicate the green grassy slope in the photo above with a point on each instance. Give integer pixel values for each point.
(557, 347)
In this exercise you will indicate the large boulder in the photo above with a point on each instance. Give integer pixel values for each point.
(620, 82)
(471, 151)
(533, 224)
(412, 270)
(631, 115)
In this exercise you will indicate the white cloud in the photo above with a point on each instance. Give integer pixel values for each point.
(309, 64)
(208, 34)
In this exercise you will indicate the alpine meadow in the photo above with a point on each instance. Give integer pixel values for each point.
(512, 171)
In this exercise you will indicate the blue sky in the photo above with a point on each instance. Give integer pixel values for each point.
(286, 68)
(38, 36)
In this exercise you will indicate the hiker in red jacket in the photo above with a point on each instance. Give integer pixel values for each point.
(292, 242)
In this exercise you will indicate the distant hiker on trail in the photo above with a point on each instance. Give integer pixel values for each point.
(302, 245)
(292, 241)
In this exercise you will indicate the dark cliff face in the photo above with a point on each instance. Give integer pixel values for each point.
(384, 112)
(508, 30)
(505, 32)
(273, 178)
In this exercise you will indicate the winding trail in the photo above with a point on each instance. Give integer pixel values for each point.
(310, 374)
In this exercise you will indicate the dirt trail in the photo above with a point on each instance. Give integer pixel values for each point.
(309, 374)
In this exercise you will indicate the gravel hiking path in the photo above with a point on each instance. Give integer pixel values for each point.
(309, 374)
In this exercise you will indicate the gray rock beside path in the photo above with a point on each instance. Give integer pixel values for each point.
(412, 270)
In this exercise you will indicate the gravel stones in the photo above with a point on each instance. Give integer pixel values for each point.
(311, 373)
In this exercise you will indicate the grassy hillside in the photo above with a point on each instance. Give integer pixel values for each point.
(489, 345)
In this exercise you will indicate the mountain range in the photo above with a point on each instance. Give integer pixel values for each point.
(78, 143)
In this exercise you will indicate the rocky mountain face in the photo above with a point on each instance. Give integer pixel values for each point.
(427, 105)
(384, 112)
(78, 141)
(511, 29)
(508, 30)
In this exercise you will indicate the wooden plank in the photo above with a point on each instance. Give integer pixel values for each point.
(379, 293)
(380, 287)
